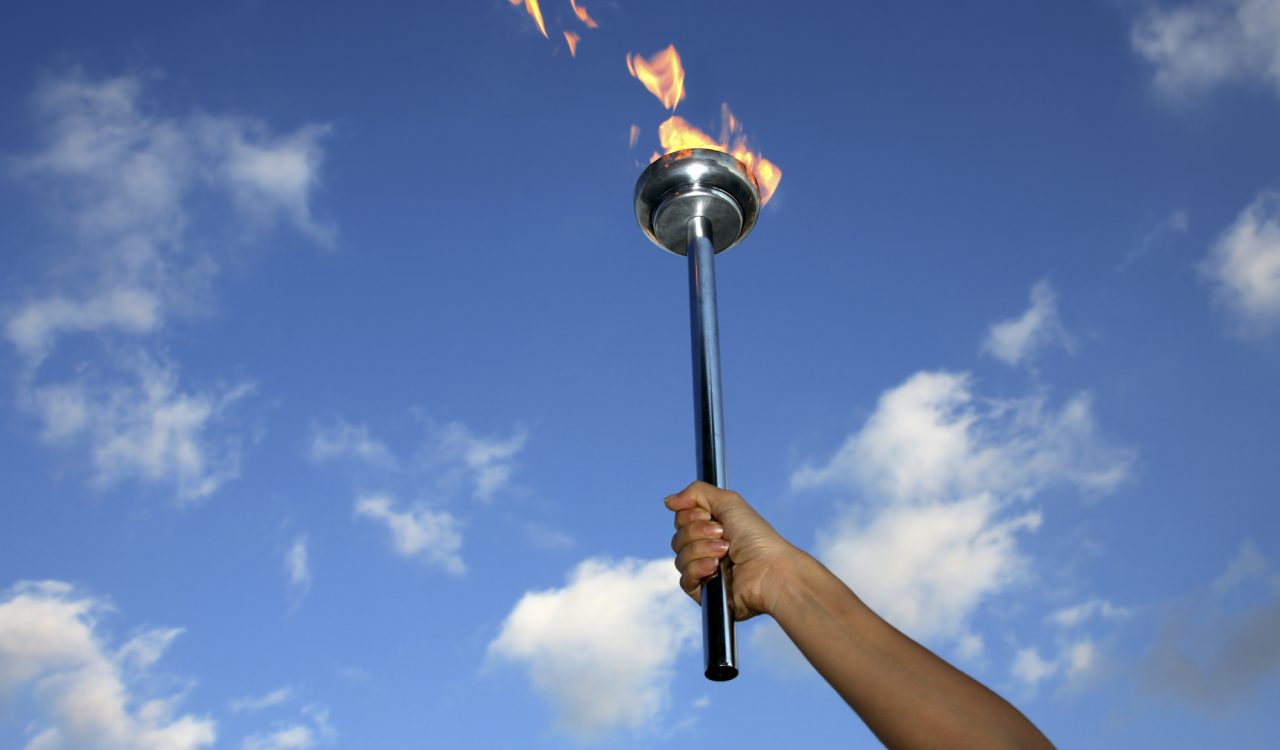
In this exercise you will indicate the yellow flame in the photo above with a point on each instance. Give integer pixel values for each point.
(676, 134)
(634, 136)
(532, 7)
(662, 75)
(583, 15)
(572, 39)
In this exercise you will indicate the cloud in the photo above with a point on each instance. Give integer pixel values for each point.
(433, 536)
(1215, 650)
(127, 187)
(1244, 266)
(1198, 46)
(1068, 617)
(487, 461)
(1018, 340)
(940, 474)
(1030, 668)
(345, 440)
(84, 694)
(314, 730)
(297, 565)
(1075, 662)
(932, 438)
(251, 703)
(925, 568)
(601, 648)
(145, 427)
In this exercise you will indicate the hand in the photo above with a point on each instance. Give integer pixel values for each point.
(711, 522)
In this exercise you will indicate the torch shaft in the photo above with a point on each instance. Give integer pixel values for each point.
(719, 647)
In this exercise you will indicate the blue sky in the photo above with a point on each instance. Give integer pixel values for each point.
(340, 389)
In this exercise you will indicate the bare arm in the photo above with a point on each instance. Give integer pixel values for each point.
(908, 696)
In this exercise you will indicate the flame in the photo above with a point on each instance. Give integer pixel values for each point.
(676, 134)
(583, 15)
(634, 136)
(662, 75)
(572, 39)
(532, 7)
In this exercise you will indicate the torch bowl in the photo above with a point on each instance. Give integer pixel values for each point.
(691, 183)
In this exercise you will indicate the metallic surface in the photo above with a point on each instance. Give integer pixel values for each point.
(691, 183)
(719, 645)
(696, 203)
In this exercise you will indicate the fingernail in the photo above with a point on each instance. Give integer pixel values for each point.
(719, 545)
(715, 529)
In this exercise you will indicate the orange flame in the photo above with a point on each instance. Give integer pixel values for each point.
(662, 75)
(572, 39)
(532, 7)
(583, 15)
(676, 134)
(634, 136)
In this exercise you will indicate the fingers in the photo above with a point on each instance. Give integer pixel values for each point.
(705, 496)
(686, 517)
(695, 532)
(692, 577)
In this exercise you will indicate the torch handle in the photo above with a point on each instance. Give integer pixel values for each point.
(719, 647)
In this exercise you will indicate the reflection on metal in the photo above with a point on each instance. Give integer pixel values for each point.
(697, 203)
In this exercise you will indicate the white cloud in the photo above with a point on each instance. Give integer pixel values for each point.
(252, 703)
(1197, 46)
(1029, 667)
(1069, 617)
(36, 326)
(925, 568)
(1076, 662)
(314, 730)
(268, 175)
(1244, 266)
(434, 536)
(145, 427)
(297, 565)
(932, 438)
(939, 473)
(345, 440)
(1020, 339)
(1216, 649)
(488, 461)
(55, 658)
(122, 181)
(601, 649)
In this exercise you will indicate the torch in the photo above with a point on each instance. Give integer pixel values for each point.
(696, 203)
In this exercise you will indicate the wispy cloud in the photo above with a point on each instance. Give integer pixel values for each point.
(430, 535)
(144, 427)
(251, 703)
(1216, 648)
(487, 461)
(341, 439)
(1244, 266)
(122, 181)
(298, 566)
(55, 660)
(1068, 617)
(942, 477)
(1076, 661)
(1196, 46)
(311, 731)
(1018, 340)
(601, 648)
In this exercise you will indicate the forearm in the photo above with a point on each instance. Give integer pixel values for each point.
(908, 696)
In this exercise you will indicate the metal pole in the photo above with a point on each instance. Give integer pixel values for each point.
(719, 647)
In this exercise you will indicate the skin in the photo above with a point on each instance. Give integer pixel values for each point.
(908, 696)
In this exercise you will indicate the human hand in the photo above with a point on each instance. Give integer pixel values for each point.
(711, 522)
